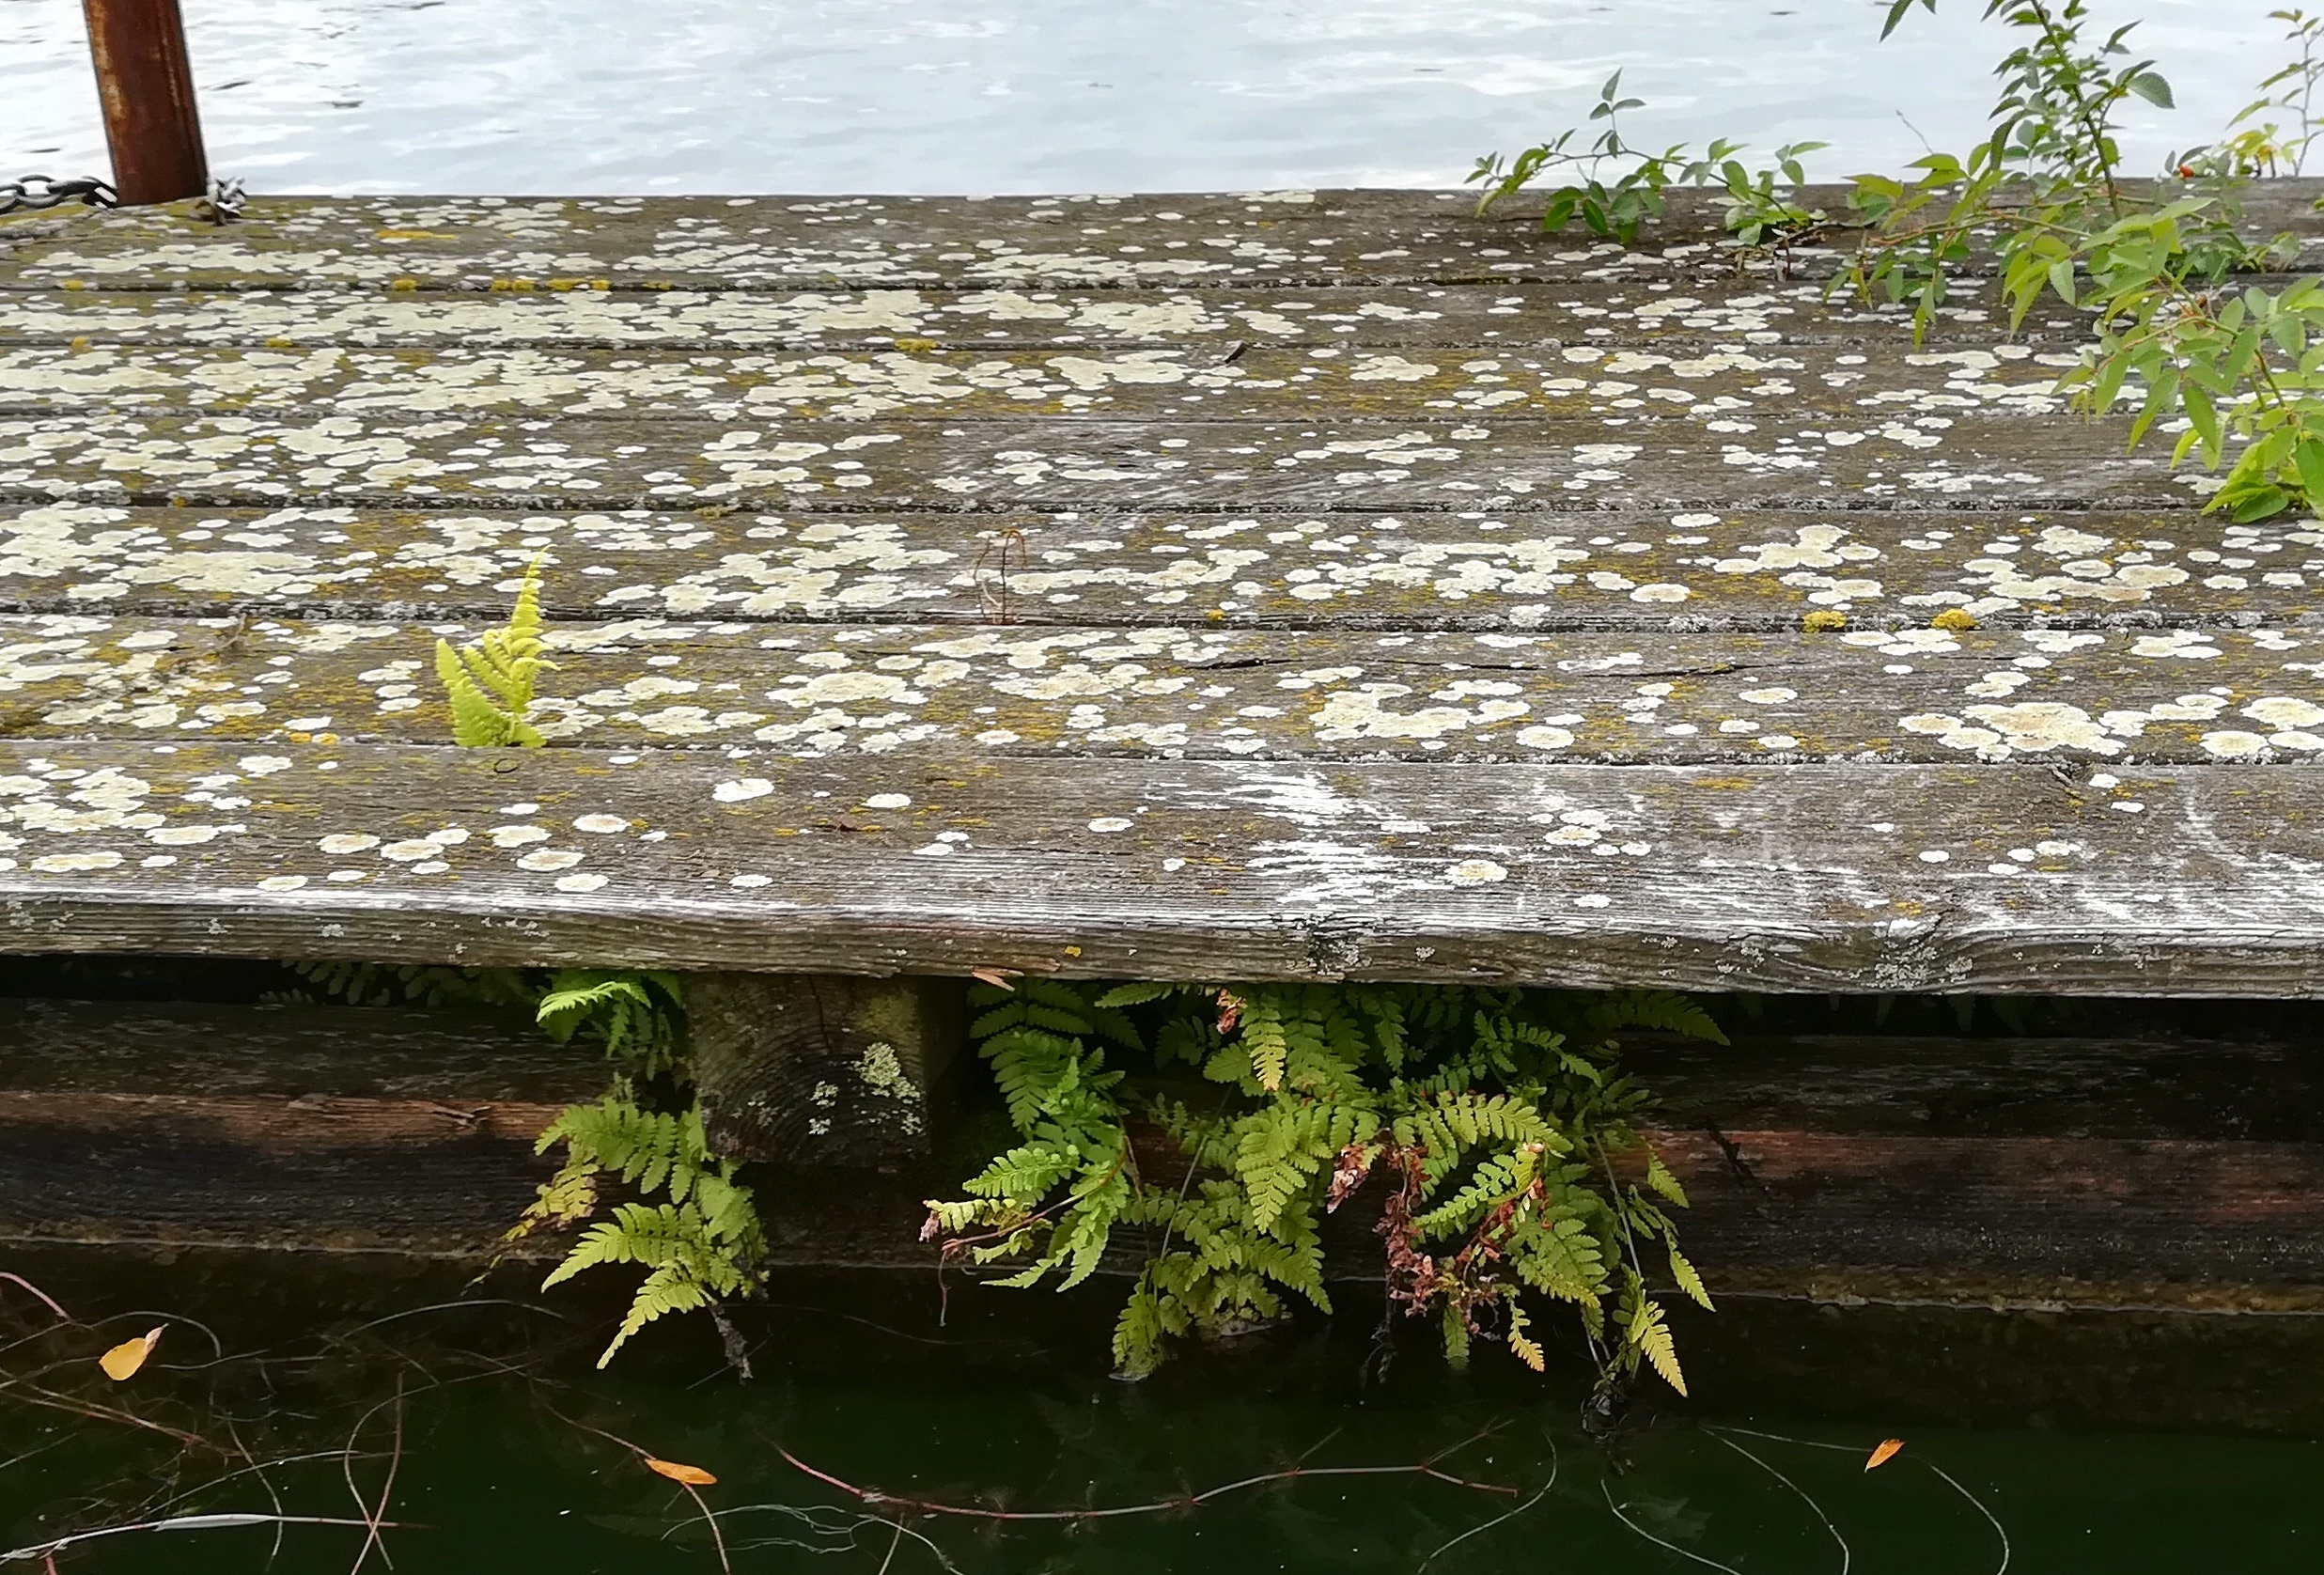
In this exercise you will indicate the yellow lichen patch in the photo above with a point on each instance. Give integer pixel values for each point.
(1954, 618)
(1824, 620)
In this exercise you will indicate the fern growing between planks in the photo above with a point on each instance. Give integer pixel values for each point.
(489, 681)
(1495, 1121)
(689, 1223)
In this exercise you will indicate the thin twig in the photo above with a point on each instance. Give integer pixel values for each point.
(718, 1538)
(2002, 1568)
(1951, 1481)
(1674, 1547)
(1505, 1515)
(46, 1299)
(1188, 1501)
(264, 1481)
(377, 1516)
(178, 1522)
(55, 1401)
(1846, 1557)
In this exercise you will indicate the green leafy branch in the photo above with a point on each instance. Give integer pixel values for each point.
(2230, 370)
(1615, 189)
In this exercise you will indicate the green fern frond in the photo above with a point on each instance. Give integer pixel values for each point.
(489, 682)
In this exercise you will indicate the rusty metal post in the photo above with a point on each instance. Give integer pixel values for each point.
(147, 86)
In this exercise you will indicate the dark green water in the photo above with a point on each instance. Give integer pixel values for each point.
(495, 1426)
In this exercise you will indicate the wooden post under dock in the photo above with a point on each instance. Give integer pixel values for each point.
(146, 82)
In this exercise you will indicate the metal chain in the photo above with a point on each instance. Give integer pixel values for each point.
(38, 191)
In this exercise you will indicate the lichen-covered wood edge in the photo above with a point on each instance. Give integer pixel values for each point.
(1280, 584)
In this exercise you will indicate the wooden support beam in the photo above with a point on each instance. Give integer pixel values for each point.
(145, 84)
(823, 1070)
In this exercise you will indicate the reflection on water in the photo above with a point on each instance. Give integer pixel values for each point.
(878, 1437)
(560, 95)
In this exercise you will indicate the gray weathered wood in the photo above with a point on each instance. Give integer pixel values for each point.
(1865, 460)
(1300, 237)
(1419, 569)
(807, 1070)
(1752, 309)
(1898, 694)
(2165, 880)
(1735, 383)
(1292, 561)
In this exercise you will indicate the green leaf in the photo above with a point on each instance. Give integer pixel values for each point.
(1683, 1274)
(2308, 461)
(2150, 87)
(2259, 504)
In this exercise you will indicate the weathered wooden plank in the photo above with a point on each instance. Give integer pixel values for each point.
(1912, 694)
(1729, 382)
(1752, 309)
(2166, 881)
(1867, 459)
(337, 1127)
(445, 1055)
(21, 231)
(486, 243)
(717, 243)
(2065, 1219)
(2155, 1172)
(1503, 570)
(2240, 1090)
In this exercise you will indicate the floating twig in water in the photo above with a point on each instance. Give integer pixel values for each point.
(1712, 1564)
(1846, 1557)
(1505, 1515)
(45, 1551)
(46, 1299)
(1188, 1501)
(1950, 1481)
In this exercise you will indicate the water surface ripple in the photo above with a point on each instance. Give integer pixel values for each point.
(507, 95)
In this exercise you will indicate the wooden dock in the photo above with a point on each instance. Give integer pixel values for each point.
(1290, 584)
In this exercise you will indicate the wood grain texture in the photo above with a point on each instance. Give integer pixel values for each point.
(420, 1056)
(1906, 458)
(1931, 694)
(1876, 376)
(339, 1127)
(2064, 1219)
(2165, 880)
(1417, 569)
(1293, 584)
(1753, 308)
(1318, 238)
(2244, 1090)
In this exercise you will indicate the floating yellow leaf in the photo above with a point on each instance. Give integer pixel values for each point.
(122, 1362)
(692, 1477)
(1886, 1452)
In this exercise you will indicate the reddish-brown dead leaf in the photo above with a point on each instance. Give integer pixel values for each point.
(1886, 1452)
(692, 1477)
(997, 978)
(122, 1362)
